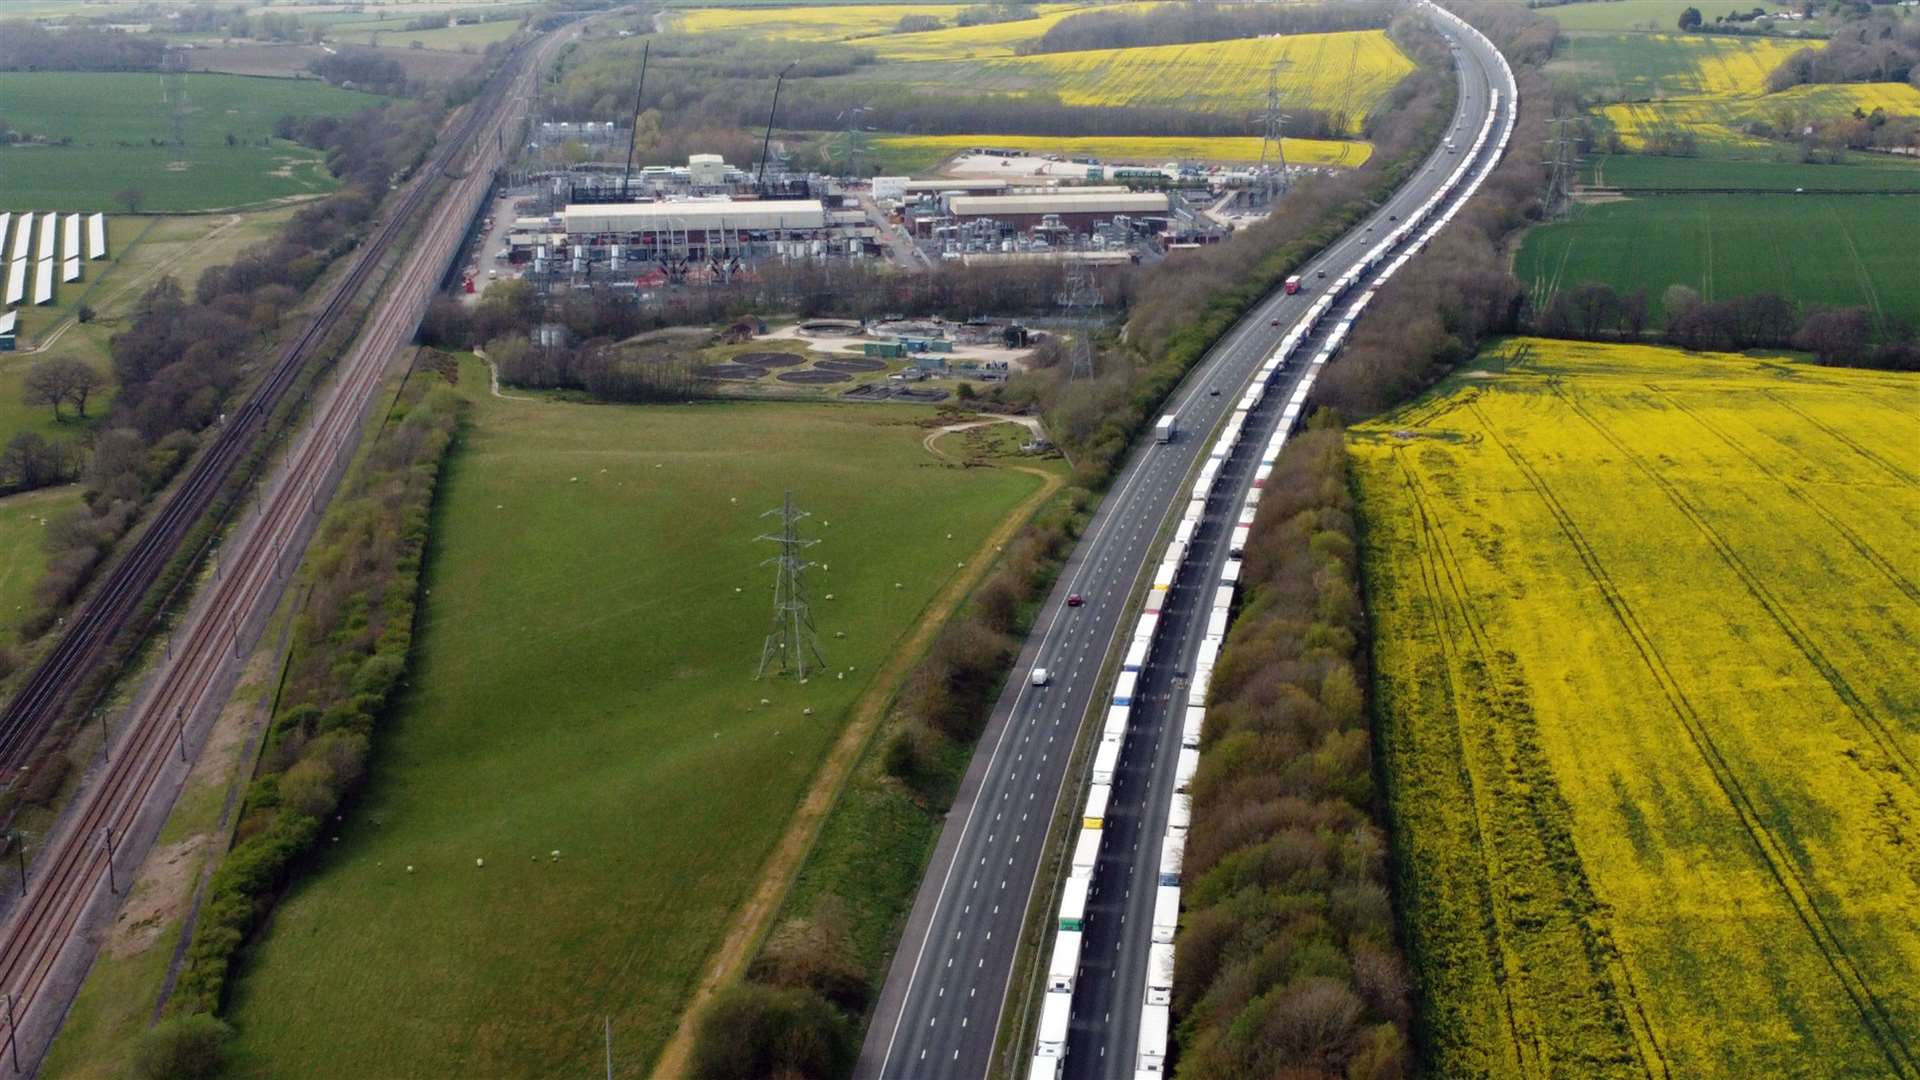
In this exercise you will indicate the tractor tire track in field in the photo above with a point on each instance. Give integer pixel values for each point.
(1855, 540)
(1776, 856)
(1495, 932)
(1542, 838)
(1890, 468)
(1859, 269)
(1870, 721)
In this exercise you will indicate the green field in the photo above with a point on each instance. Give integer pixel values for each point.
(470, 37)
(1635, 14)
(582, 683)
(114, 118)
(1862, 172)
(1640, 67)
(1840, 250)
(23, 520)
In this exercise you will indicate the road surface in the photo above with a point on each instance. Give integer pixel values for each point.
(941, 1006)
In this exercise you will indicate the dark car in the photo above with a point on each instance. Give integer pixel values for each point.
(1275, 322)
(1074, 600)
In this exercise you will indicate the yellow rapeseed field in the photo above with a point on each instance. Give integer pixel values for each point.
(1346, 74)
(1721, 119)
(972, 42)
(1144, 149)
(838, 22)
(1645, 629)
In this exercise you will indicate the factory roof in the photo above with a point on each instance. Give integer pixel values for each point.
(919, 186)
(1066, 202)
(695, 213)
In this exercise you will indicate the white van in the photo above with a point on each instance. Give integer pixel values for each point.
(1041, 676)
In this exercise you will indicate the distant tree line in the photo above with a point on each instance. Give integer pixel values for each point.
(1180, 24)
(1843, 337)
(365, 69)
(1877, 49)
(28, 46)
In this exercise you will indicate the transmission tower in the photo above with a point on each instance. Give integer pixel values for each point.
(791, 641)
(1079, 297)
(173, 89)
(1561, 162)
(1273, 127)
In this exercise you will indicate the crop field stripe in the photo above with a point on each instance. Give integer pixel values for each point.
(1604, 959)
(1891, 468)
(1775, 855)
(1499, 964)
(1870, 721)
(1859, 267)
(1785, 483)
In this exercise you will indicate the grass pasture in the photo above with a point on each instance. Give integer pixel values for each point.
(583, 684)
(1641, 67)
(1651, 775)
(1634, 15)
(114, 118)
(468, 37)
(1838, 250)
(1347, 74)
(1861, 172)
(1145, 149)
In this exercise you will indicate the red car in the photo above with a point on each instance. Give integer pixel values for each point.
(1074, 600)
(1275, 322)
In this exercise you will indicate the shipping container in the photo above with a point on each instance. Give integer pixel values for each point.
(1073, 904)
(1159, 974)
(1148, 625)
(1054, 1015)
(1123, 688)
(1189, 763)
(1180, 813)
(1166, 913)
(1086, 852)
(1095, 815)
(1116, 729)
(1065, 964)
(1152, 1058)
(1173, 848)
(1105, 760)
(1136, 657)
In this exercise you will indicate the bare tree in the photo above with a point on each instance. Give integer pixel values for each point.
(60, 380)
(130, 199)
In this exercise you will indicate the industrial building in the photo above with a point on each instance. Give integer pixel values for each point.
(584, 237)
(1076, 211)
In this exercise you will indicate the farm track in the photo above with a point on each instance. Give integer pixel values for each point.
(66, 889)
(752, 920)
(1776, 855)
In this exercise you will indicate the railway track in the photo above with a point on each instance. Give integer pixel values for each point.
(78, 869)
(45, 696)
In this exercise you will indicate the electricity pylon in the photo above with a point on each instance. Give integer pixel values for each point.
(1078, 293)
(791, 641)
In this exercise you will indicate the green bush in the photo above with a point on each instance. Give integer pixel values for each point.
(753, 1032)
(182, 1048)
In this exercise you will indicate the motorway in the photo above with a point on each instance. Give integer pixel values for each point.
(940, 1009)
(75, 883)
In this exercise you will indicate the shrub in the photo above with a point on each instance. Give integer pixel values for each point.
(752, 1032)
(182, 1048)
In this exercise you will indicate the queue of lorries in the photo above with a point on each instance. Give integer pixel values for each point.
(1400, 244)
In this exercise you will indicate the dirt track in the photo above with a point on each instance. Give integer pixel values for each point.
(751, 921)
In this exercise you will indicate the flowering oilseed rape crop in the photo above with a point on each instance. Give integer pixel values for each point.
(847, 22)
(1346, 74)
(1643, 622)
(1720, 120)
(1145, 149)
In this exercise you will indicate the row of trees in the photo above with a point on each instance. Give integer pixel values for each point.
(349, 650)
(1877, 49)
(1844, 337)
(1287, 962)
(28, 46)
(1179, 24)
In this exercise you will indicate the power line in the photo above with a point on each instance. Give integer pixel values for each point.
(1079, 293)
(791, 640)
